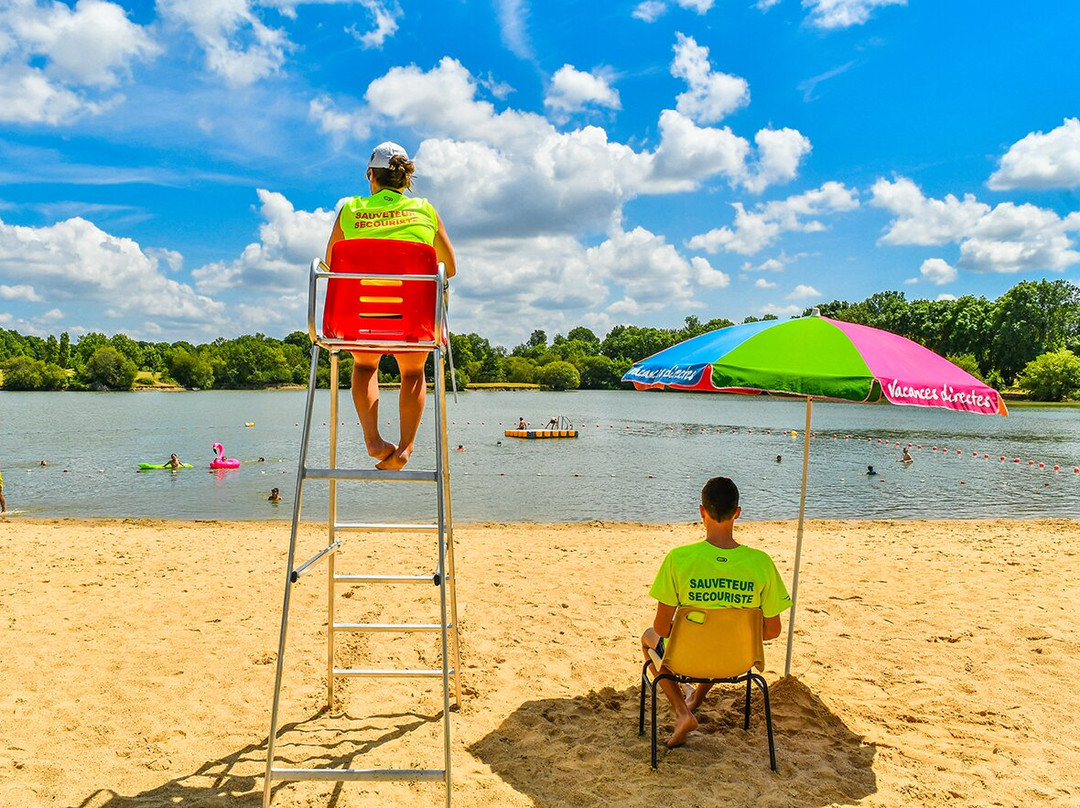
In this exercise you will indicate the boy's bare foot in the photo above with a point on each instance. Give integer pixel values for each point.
(381, 450)
(683, 728)
(396, 460)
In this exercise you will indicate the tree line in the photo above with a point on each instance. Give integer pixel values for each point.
(1029, 337)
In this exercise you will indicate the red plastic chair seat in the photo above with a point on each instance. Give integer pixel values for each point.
(385, 310)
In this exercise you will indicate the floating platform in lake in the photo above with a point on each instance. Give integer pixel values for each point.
(535, 434)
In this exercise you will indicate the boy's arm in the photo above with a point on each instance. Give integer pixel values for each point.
(770, 628)
(664, 616)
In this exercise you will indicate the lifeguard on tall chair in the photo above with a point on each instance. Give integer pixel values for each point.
(387, 214)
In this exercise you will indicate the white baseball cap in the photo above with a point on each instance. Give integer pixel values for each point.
(380, 157)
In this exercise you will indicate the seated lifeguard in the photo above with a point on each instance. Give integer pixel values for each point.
(388, 214)
(717, 573)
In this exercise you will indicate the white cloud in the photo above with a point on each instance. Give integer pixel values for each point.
(75, 260)
(938, 271)
(776, 264)
(844, 13)
(279, 261)
(385, 17)
(237, 45)
(572, 90)
(754, 230)
(780, 311)
(513, 172)
(649, 10)
(923, 221)
(56, 60)
(765, 5)
(21, 291)
(761, 283)
(700, 6)
(1006, 238)
(652, 10)
(515, 37)
(779, 153)
(711, 95)
(689, 152)
(945, 296)
(803, 292)
(1050, 160)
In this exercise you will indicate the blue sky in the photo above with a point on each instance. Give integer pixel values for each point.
(168, 169)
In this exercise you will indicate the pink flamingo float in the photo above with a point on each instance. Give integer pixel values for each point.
(220, 461)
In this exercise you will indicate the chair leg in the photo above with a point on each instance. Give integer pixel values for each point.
(746, 707)
(653, 689)
(641, 710)
(768, 718)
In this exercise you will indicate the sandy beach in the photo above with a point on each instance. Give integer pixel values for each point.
(932, 662)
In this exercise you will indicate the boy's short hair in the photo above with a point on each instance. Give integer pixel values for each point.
(720, 498)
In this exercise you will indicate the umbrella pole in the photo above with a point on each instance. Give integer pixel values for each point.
(798, 537)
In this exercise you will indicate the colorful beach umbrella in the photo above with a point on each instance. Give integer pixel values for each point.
(815, 358)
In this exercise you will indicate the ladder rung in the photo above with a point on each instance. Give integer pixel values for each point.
(371, 475)
(357, 774)
(385, 579)
(383, 526)
(392, 673)
(388, 627)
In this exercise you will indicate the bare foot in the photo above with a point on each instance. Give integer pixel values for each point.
(381, 450)
(395, 461)
(682, 728)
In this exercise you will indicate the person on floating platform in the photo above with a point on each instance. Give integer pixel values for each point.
(717, 573)
(173, 462)
(388, 213)
(553, 423)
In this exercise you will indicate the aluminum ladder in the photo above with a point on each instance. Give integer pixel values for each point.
(443, 576)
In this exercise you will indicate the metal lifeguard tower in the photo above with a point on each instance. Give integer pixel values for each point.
(382, 296)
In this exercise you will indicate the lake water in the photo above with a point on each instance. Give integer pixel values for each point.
(641, 456)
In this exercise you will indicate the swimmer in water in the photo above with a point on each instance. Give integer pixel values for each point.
(274, 497)
(779, 459)
(173, 462)
(522, 424)
(906, 457)
(870, 471)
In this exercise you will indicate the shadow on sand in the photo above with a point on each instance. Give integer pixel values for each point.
(236, 780)
(585, 750)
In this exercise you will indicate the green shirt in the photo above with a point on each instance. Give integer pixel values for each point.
(709, 577)
(389, 214)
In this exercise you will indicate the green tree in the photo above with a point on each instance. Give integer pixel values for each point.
(190, 370)
(128, 347)
(1033, 318)
(492, 369)
(87, 345)
(108, 369)
(520, 370)
(586, 336)
(63, 355)
(966, 362)
(24, 373)
(559, 375)
(599, 373)
(52, 350)
(1052, 376)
